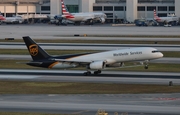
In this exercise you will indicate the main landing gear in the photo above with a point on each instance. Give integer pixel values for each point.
(97, 72)
(146, 67)
(77, 23)
(146, 64)
(89, 73)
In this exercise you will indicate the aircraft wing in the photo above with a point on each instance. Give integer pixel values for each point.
(122, 65)
(87, 18)
(106, 68)
(135, 64)
(72, 61)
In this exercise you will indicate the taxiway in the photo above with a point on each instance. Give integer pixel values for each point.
(133, 104)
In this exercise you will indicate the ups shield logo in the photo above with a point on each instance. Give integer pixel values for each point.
(33, 49)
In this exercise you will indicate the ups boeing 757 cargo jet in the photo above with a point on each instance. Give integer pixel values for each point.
(91, 61)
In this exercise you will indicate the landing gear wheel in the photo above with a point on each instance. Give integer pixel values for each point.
(97, 72)
(87, 73)
(146, 67)
(91, 22)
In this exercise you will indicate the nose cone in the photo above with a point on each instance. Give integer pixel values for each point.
(161, 55)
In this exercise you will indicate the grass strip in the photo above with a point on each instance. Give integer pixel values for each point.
(22, 113)
(97, 41)
(21, 87)
(64, 52)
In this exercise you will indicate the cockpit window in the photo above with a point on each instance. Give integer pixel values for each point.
(155, 51)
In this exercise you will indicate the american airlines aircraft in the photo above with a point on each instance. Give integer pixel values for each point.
(12, 20)
(91, 61)
(165, 20)
(87, 17)
(2, 18)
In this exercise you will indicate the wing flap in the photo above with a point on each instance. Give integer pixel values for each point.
(128, 66)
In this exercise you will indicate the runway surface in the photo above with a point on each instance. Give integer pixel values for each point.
(133, 104)
(76, 76)
(85, 46)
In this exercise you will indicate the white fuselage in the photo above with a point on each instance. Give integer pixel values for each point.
(115, 56)
(16, 19)
(167, 19)
(82, 17)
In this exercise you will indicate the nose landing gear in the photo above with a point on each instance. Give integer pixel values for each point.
(146, 64)
(146, 67)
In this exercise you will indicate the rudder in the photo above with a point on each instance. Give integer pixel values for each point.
(155, 15)
(64, 8)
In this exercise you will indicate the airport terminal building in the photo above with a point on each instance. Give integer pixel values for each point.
(115, 9)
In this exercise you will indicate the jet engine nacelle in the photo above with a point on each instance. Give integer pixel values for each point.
(102, 20)
(97, 65)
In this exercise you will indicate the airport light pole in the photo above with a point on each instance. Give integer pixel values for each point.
(16, 7)
(28, 11)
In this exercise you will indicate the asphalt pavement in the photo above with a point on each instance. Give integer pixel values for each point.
(89, 104)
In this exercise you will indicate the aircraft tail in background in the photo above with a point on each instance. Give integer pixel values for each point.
(155, 15)
(2, 17)
(64, 9)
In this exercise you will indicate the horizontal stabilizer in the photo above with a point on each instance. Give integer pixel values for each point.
(29, 63)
